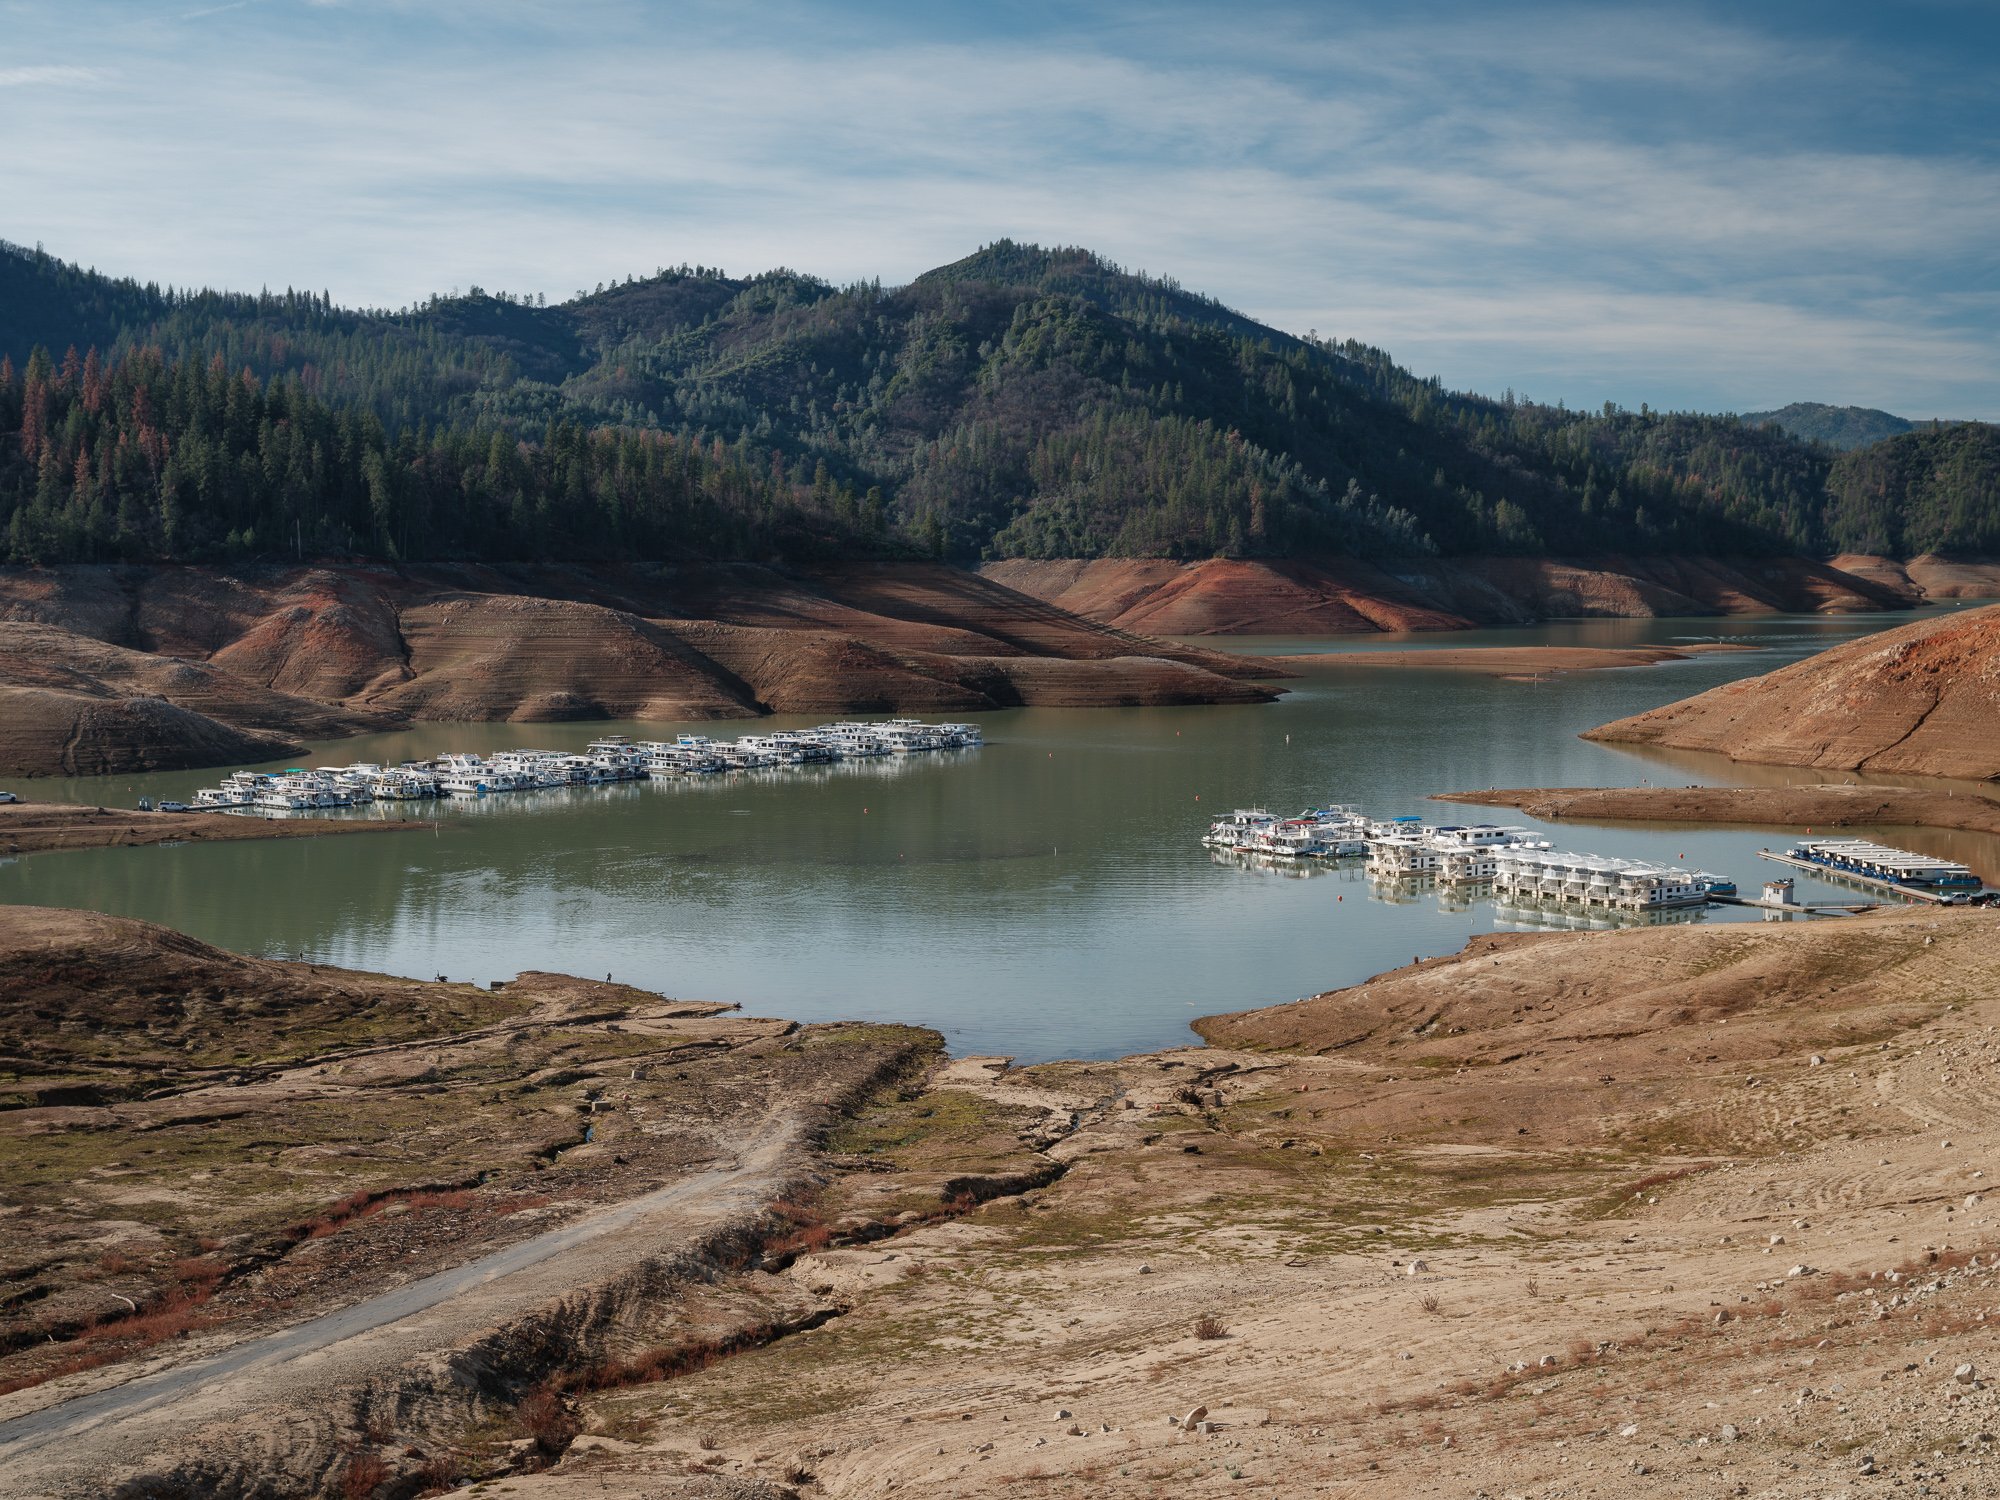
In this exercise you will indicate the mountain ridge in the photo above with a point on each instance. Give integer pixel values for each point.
(1021, 402)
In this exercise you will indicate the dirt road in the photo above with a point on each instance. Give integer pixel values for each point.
(78, 1447)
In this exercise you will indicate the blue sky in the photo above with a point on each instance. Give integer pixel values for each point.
(1696, 206)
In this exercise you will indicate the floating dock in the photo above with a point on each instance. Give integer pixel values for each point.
(1876, 867)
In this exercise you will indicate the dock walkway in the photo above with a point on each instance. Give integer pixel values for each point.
(1870, 882)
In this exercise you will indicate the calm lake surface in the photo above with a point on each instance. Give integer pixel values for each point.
(1044, 896)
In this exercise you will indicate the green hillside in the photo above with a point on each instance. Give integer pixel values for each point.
(1842, 427)
(1020, 402)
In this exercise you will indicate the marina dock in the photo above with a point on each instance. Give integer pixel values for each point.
(613, 759)
(1953, 895)
(1515, 865)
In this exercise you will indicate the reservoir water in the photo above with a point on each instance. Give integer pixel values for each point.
(1043, 896)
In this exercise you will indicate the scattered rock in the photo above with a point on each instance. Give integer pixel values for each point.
(1418, 1267)
(1194, 1416)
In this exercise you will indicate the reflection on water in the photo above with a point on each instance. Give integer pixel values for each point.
(1046, 895)
(1514, 916)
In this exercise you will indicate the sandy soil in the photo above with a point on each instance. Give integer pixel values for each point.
(1516, 663)
(1772, 806)
(1921, 700)
(29, 827)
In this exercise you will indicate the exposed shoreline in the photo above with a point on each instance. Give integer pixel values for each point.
(116, 669)
(1317, 596)
(1833, 806)
(1514, 663)
(1539, 1197)
(48, 827)
(1922, 699)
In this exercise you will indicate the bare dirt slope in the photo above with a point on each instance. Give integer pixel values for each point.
(1338, 596)
(1690, 1210)
(1517, 663)
(1772, 806)
(313, 1211)
(43, 827)
(1670, 1212)
(1923, 699)
(1930, 576)
(77, 706)
(132, 668)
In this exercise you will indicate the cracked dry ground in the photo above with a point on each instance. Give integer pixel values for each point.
(1675, 1211)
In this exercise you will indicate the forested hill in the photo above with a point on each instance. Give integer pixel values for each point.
(1842, 427)
(1020, 402)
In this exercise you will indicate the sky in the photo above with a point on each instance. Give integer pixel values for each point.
(1696, 206)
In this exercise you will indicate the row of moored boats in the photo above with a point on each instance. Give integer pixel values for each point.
(1514, 862)
(612, 759)
(1342, 831)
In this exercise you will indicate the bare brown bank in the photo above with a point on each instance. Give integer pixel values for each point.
(1518, 663)
(106, 669)
(1923, 699)
(263, 1217)
(43, 827)
(1776, 806)
(1333, 596)
(1661, 1212)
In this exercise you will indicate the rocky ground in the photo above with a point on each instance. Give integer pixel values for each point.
(107, 669)
(1668, 1212)
(1921, 700)
(1325, 596)
(29, 827)
(1672, 1211)
(234, 1191)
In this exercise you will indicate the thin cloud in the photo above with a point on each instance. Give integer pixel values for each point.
(58, 75)
(1599, 203)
